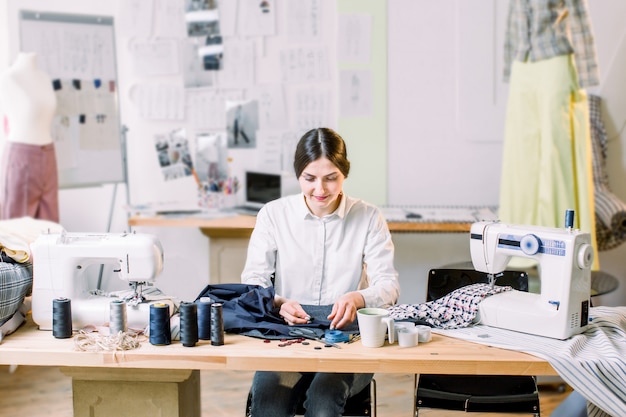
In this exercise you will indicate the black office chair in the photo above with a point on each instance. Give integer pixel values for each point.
(362, 404)
(475, 393)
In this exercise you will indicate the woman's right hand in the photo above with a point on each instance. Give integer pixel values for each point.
(292, 312)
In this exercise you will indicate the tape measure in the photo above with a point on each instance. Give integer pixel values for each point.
(336, 336)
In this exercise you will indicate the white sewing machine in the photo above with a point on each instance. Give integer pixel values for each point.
(59, 264)
(564, 257)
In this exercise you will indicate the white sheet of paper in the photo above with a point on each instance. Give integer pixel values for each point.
(303, 20)
(304, 64)
(355, 38)
(257, 18)
(155, 57)
(156, 101)
(206, 107)
(169, 19)
(135, 18)
(269, 149)
(355, 93)
(272, 110)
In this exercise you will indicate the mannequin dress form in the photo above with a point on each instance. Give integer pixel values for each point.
(28, 172)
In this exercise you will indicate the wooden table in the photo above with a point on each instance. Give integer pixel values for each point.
(240, 226)
(164, 380)
(229, 235)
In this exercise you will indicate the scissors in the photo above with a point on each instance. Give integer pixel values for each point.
(311, 335)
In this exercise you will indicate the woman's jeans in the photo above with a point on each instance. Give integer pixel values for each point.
(277, 394)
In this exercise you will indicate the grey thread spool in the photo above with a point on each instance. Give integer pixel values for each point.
(204, 318)
(217, 325)
(62, 318)
(117, 317)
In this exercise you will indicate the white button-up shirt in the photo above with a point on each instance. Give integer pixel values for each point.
(316, 260)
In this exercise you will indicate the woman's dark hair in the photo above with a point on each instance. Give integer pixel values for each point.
(318, 143)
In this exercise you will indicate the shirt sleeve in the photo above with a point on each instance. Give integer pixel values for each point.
(509, 43)
(378, 257)
(261, 257)
(583, 43)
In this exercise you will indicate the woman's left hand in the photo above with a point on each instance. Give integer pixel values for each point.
(344, 309)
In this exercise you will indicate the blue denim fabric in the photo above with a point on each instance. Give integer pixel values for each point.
(277, 394)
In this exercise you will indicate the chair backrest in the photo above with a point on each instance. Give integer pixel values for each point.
(442, 281)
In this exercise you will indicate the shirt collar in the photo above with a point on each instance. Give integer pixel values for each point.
(339, 212)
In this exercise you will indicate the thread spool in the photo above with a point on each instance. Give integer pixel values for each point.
(62, 318)
(335, 336)
(188, 324)
(160, 333)
(569, 219)
(217, 325)
(117, 317)
(204, 318)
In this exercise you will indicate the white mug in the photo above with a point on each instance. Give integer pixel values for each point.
(374, 323)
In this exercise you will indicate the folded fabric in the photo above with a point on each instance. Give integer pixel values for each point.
(16, 235)
(610, 211)
(16, 280)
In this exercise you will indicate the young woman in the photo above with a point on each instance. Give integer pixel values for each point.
(314, 248)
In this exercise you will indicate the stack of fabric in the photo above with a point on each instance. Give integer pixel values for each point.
(610, 211)
(16, 269)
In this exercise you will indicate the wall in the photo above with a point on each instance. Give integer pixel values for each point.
(435, 152)
(444, 136)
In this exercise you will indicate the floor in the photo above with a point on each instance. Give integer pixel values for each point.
(45, 391)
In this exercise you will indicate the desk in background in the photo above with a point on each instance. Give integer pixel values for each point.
(164, 380)
(229, 235)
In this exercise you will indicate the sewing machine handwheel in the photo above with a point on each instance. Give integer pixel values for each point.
(585, 256)
(530, 244)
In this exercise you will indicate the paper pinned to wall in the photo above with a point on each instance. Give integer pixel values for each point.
(269, 151)
(206, 107)
(272, 111)
(155, 57)
(158, 101)
(257, 18)
(169, 19)
(304, 20)
(355, 38)
(304, 64)
(355, 93)
(311, 108)
(132, 18)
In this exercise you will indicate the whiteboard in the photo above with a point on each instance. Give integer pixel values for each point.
(78, 53)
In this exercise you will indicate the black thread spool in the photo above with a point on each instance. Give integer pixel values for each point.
(62, 318)
(188, 324)
(217, 325)
(160, 333)
(117, 317)
(204, 318)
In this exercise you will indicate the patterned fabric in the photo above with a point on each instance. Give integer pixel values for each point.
(609, 209)
(454, 310)
(543, 29)
(15, 283)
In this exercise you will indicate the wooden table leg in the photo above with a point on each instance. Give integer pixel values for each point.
(127, 392)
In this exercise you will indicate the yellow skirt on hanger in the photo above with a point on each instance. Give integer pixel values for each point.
(547, 159)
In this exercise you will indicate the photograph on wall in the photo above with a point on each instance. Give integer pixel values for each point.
(203, 25)
(242, 123)
(173, 154)
(211, 160)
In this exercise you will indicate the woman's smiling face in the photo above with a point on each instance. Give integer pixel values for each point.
(321, 183)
